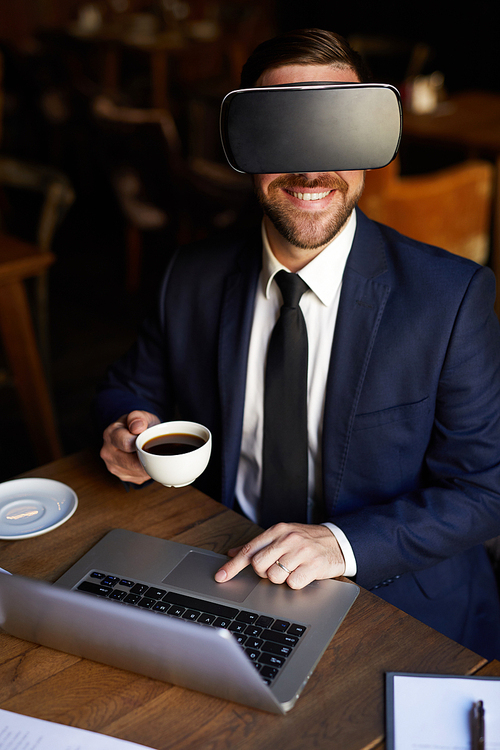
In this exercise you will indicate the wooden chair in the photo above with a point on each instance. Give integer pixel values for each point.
(28, 354)
(18, 262)
(56, 196)
(21, 260)
(451, 208)
(156, 186)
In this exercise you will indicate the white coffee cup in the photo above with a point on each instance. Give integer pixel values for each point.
(178, 469)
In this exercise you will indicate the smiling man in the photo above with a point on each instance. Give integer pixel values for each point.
(400, 408)
(305, 212)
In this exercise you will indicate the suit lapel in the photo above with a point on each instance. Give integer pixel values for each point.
(365, 289)
(235, 329)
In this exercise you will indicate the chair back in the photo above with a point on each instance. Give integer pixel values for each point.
(54, 187)
(451, 208)
(157, 187)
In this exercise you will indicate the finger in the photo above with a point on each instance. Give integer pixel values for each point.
(275, 544)
(309, 552)
(126, 466)
(241, 559)
(233, 552)
(137, 422)
(278, 574)
(233, 567)
(120, 437)
(261, 553)
(302, 576)
(124, 431)
(316, 563)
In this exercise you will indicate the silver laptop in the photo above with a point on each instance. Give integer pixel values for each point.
(152, 606)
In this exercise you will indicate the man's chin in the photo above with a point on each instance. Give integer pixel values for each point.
(308, 233)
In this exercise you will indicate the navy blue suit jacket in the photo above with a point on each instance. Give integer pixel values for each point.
(411, 438)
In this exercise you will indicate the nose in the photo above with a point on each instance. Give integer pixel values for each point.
(309, 175)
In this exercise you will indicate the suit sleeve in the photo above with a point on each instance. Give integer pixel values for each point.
(458, 504)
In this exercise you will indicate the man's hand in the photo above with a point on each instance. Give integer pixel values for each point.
(118, 450)
(307, 553)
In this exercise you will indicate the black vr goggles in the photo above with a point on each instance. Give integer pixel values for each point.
(311, 127)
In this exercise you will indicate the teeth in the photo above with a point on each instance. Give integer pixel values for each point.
(311, 196)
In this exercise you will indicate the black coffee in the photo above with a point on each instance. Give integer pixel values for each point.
(173, 444)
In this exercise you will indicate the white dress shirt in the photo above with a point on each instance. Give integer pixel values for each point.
(319, 305)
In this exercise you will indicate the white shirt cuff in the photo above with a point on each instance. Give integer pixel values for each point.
(350, 561)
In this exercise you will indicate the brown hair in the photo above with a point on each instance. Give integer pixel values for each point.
(302, 47)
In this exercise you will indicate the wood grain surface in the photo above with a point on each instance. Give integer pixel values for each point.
(342, 705)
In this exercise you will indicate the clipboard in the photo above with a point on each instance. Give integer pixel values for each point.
(433, 712)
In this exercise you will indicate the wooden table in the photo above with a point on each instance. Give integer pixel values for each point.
(342, 706)
(19, 261)
(471, 121)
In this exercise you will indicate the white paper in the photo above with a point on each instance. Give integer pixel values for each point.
(433, 713)
(19, 732)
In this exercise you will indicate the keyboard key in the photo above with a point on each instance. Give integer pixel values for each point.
(96, 574)
(237, 627)
(264, 621)
(252, 653)
(147, 603)
(280, 625)
(268, 673)
(201, 605)
(139, 588)
(284, 638)
(297, 629)
(160, 607)
(132, 598)
(125, 582)
(110, 581)
(248, 617)
(221, 622)
(94, 588)
(276, 648)
(118, 595)
(206, 618)
(272, 660)
(253, 630)
(254, 643)
(176, 611)
(155, 593)
(191, 614)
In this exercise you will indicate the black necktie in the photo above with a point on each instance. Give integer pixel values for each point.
(285, 443)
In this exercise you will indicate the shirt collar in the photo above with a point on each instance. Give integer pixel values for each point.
(324, 273)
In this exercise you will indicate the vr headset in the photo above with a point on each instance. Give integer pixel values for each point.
(311, 127)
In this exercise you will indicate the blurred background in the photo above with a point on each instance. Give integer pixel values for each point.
(110, 157)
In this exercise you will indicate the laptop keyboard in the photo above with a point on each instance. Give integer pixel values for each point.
(268, 642)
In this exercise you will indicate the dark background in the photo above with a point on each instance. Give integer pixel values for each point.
(49, 83)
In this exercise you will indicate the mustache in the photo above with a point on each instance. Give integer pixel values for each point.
(325, 181)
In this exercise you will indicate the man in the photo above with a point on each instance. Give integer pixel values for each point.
(403, 385)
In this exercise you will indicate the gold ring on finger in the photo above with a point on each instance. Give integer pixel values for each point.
(283, 567)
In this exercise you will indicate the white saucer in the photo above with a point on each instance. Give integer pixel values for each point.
(30, 507)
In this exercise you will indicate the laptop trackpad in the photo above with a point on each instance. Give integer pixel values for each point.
(196, 572)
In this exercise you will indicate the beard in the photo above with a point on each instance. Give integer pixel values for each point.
(308, 230)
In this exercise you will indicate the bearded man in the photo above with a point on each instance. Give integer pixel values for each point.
(402, 402)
